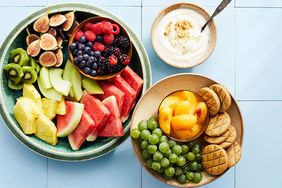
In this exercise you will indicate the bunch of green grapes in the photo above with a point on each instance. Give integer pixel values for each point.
(171, 159)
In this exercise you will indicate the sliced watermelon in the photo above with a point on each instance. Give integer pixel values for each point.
(84, 128)
(113, 126)
(98, 112)
(109, 90)
(68, 122)
(130, 96)
(132, 79)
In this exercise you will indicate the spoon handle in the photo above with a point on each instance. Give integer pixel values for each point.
(220, 7)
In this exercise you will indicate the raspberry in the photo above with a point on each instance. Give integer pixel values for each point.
(116, 29)
(107, 28)
(98, 46)
(97, 28)
(113, 60)
(78, 35)
(87, 26)
(108, 39)
(124, 59)
(90, 36)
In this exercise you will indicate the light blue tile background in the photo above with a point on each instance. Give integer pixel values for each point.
(246, 60)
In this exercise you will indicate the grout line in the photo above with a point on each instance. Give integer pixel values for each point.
(47, 173)
(235, 51)
(235, 171)
(260, 7)
(259, 100)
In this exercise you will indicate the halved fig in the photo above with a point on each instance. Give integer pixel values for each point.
(74, 25)
(30, 37)
(59, 41)
(41, 25)
(70, 20)
(48, 42)
(57, 19)
(47, 59)
(33, 49)
(52, 31)
(61, 33)
(60, 57)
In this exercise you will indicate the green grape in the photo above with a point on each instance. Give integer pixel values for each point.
(146, 154)
(196, 150)
(145, 135)
(163, 139)
(197, 177)
(198, 157)
(171, 143)
(168, 178)
(190, 156)
(142, 125)
(149, 163)
(181, 161)
(158, 132)
(152, 149)
(165, 162)
(167, 153)
(169, 171)
(153, 139)
(144, 144)
(181, 179)
(158, 156)
(178, 171)
(200, 168)
(196, 146)
(161, 170)
(135, 133)
(185, 149)
(190, 176)
(190, 144)
(173, 158)
(156, 165)
(177, 149)
(152, 123)
(164, 147)
(193, 166)
(185, 169)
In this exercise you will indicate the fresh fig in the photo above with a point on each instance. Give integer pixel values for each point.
(57, 20)
(52, 31)
(48, 42)
(74, 25)
(47, 59)
(61, 33)
(59, 41)
(70, 20)
(41, 25)
(60, 57)
(30, 37)
(33, 49)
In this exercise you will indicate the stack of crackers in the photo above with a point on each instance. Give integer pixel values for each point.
(223, 150)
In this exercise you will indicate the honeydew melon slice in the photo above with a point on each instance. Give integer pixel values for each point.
(49, 93)
(60, 85)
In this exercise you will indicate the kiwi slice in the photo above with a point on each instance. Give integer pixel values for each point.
(19, 56)
(14, 72)
(34, 64)
(14, 86)
(30, 75)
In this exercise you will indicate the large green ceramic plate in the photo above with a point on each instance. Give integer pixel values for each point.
(90, 150)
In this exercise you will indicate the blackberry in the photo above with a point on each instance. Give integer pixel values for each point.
(121, 42)
(123, 59)
(103, 66)
(117, 67)
(111, 50)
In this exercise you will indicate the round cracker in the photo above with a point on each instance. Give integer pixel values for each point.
(218, 124)
(234, 153)
(214, 159)
(223, 95)
(217, 139)
(211, 99)
(231, 138)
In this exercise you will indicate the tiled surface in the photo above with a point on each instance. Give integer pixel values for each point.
(246, 60)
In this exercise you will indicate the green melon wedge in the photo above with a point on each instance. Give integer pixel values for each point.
(76, 84)
(60, 85)
(45, 80)
(91, 86)
(67, 74)
(49, 93)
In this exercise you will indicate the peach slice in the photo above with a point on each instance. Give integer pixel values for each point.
(182, 134)
(165, 116)
(181, 122)
(184, 107)
(170, 102)
(201, 112)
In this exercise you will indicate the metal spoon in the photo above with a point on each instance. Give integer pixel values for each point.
(220, 7)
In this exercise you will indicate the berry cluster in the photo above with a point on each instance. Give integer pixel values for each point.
(100, 49)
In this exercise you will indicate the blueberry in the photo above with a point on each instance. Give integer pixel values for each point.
(83, 46)
(94, 66)
(73, 46)
(74, 52)
(99, 38)
(89, 63)
(86, 70)
(91, 53)
(93, 72)
(82, 39)
(80, 58)
(97, 53)
(76, 61)
(79, 52)
(89, 44)
(85, 57)
(92, 59)
(87, 49)
(82, 64)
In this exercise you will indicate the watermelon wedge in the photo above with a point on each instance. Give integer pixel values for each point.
(83, 129)
(109, 90)
(113, 127)
(68, 122)
(132, 79)
(130, 96)
(97, 111)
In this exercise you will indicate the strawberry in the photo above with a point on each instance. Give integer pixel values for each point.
(78, 35)
(113, 60)
(108, 39)
(107, 28)
(97, 28)
(87, 26)
(98, 46)
(116, 29)
(90, 36)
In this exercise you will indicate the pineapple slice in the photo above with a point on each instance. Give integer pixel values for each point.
(61, 109)
(26, 112)
(46, 130)
(30, 91)
(49, 107)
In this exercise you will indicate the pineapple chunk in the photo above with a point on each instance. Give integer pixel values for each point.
(25, 112)
(46, 130)
(30, 91)
(49, 107)
(61, 109)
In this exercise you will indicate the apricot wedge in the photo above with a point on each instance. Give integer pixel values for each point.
(182, 122)
(182, 134)
(164, 117)
(170, 102)
(184, 107)
(201, 112)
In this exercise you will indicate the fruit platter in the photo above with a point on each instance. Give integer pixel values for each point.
(187, 134)
(71, 76)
